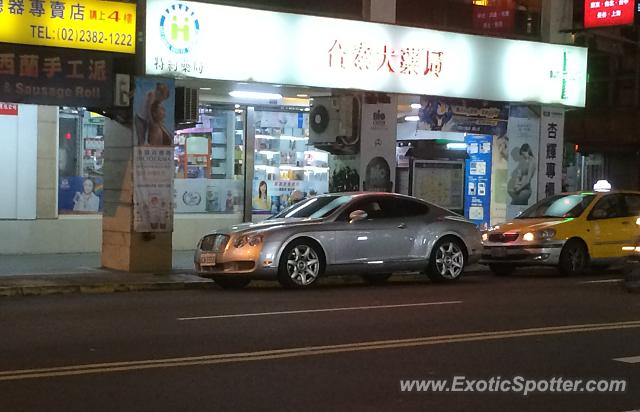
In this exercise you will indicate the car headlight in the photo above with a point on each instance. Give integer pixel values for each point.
(529, 237)
(546, 234)
(251, 240)
(485, 237)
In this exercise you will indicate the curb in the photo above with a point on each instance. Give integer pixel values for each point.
(202, 283)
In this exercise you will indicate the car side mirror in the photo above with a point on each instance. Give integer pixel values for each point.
(357, 215)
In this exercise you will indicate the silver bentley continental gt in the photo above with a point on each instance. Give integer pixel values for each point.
(365, 233)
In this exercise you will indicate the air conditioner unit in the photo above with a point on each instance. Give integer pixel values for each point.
(334, 124)
(186, 105)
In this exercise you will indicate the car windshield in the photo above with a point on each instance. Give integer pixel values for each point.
(315, 207)
(559, 206)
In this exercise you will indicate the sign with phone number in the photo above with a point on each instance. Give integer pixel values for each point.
(87, 24)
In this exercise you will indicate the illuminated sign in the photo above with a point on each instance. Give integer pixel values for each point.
(608, 12)
(87, 24)
(8, 109)
(191, 40)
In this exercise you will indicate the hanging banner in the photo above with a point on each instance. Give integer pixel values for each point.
(153, 155)
(551, 152)
(56, 77)
(477, 199)
(87, 24)
(378, 142)
(153, 189)
(523, 131)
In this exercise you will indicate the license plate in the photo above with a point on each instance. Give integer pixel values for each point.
(208, 259)
(498, 252)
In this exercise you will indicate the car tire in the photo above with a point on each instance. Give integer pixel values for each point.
(231, 282)
(301, 265)
(501, 269)
(574, 258)
(447, 261)
(377, 278)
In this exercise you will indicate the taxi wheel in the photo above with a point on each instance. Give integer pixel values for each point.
(574, 258)
(231, 282)
(501, 269)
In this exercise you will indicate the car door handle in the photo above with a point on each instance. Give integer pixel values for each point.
(402, 226)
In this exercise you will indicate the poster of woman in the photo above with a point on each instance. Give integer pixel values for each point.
(261, 199)
(154, 103)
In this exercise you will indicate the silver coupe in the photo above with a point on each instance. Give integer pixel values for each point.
(370, 234)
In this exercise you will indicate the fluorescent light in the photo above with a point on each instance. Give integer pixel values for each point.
(237, 106)
(205, 88)
(456, 146)
(411, 118)
(243, 94)
(302, 95)
(416, 105)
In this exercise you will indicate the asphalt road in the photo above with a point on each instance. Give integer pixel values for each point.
(332, 348)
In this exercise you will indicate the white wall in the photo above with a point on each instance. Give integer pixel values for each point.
(18, 163)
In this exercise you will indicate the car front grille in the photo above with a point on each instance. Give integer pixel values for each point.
(503, 237)
(214, 243)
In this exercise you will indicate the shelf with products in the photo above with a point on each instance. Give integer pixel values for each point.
(193, 153)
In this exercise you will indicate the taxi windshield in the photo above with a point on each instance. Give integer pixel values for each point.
(559, 206)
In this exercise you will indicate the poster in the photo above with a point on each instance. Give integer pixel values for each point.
(78, 194)
(153, 106)
(272, 196)
(378, 142)
(499, 173)
(440, 182)
(551, 152)
(524, 133)
(477, 198)
(344, 175)
(153, 189)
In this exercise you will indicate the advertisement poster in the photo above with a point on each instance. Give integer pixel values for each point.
(77, 194)
(477, 185)
(153, 107)
(499, 179)
(440, 182)
(378, 142)
(551, 152)
(153, 189)
(524, 134)
(459, 115)
(344, 176)
(270, 197)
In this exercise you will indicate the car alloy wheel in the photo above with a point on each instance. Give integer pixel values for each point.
(447, 261)
(303, 265)
(574, 258)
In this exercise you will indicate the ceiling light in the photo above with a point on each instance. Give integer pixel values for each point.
(302, 95)
(457, 146)
(205, 88)
(237, 106)
(411, 118)
(416, 105)
(243, 94)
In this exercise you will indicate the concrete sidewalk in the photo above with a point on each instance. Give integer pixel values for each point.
(22, 275)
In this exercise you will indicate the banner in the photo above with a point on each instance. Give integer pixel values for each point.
(551, 152)
(477, 197)
(378, 142)
(153, 189)
(153, 159)
(524, 134)
(79, 194)
(56, 77)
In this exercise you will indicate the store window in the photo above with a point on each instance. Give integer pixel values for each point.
(209, 163)
(80, 161)
(287, 168)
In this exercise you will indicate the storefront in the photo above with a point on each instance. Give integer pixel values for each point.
(58, 70)
(268, 86)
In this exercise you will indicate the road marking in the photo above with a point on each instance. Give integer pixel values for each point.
(602, 281)
(296, 312)
(631, 359)
(306, 351)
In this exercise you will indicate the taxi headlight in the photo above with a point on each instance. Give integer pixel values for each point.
(529, 237)
(251, 240)
(485, 237)
(546, 234)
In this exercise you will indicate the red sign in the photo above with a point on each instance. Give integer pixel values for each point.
(496, 16)
(599, 13)
(8, 109)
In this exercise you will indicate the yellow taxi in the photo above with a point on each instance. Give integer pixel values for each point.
(569, 231)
